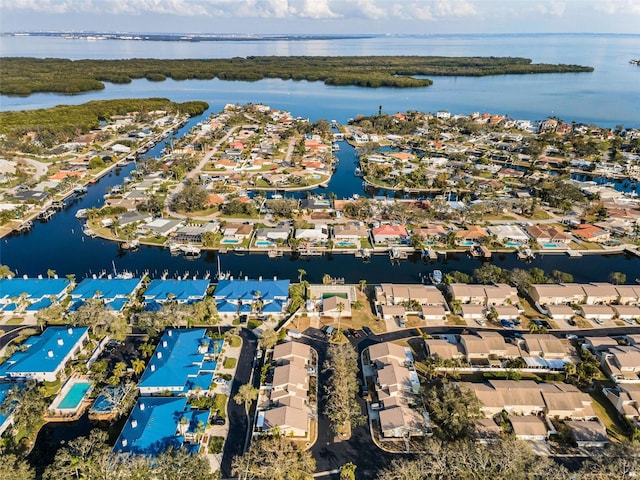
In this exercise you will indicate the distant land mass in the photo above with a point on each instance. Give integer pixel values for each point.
(26, 75)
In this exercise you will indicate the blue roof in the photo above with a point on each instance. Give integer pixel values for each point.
(35, 288)
(226, 307)
(109, 288)
(4, 390)
(44, 353)
(176, 360)
(247, 289)
(273, 307)
(40, 304)
(117, 304)
(153, 425)
(181, 290)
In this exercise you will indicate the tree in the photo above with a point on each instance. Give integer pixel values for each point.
(617, 278)
(15, 468)
(342, 387)
(51, 273)
(274, 458)
(453, 409)
(138, 366)
(268, 338)
(348, 471)
(301, 273)
(6, 272)
(363, 285)
(28, 404)
(247, 393)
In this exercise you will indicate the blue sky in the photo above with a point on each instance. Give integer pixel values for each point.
(323, 16)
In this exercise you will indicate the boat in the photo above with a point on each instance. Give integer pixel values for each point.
(130, 245)
(394, 254)
(80, 190)
(335, 147)
(45, 215)
(358, 172)
(436, 277)
(635, 61)
(87, 231)
(175, 249)
(81, 213)
(190, 250)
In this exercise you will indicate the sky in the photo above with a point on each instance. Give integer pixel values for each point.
(322, 16)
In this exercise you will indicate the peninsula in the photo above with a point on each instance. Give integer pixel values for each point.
(24, 75)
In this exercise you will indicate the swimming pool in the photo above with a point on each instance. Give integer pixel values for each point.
(550, 245)
(467, 243)
(230, 241)
(263, 243)
(74, 396)
(512, 244)
(343, 243)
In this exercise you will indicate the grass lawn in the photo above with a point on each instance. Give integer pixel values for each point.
(230, 362)
(540, 214)
(216, 444)
(235, 341)
(220, 404)
(14, 321)
(609, 416)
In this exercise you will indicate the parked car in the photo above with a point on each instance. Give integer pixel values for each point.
(507, 323)
(218, 421)
(347, 333)
(219, 381)
(367, 330)
(571, 322)
(354, 332)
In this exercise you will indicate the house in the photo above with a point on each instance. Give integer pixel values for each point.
(393, 380)
(547, 234)
(522, 397)
(350, 232)
(183, 362)
(544, 345)
(388, 353)
(597, 313)
(622, 363)
(263, 297)
(529, 427)
(589, 434)
(596, 293)
(336, 307)
(467, 293)
(487, 431)
(626, 399)
(181, 291)
(500, 294)
(292, 352)
(400, 421)
(42, 357)
(473, 312)
(273, 234)
(395, 294)
(560, 312)
(289, 421)
(389, 312)
(482, 345)
(628, 294)
(160, 226)
(291, 379)
(627, 312)
(437, 347)
(507, 312)
(591, 233)
(556, 294)
(238, 231)
(471, 233)
(509, 233)
(599, 344)
(194, 233)
(35, 293)
(433, 313)
(566, 401)
(319, 233)
(159, 423)
(388, 234)
(114, 292)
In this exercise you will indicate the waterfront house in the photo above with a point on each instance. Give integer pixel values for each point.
(159, 423)
(336, 307)
(133, 218)
(193, 233)
(467, 293)
(599, 293)
(388, 234)
(43, 357)
(591, 233)
(266, 297)
(628, 294)
(471, 233)
(182, 363)
(31, 293)
(400, 294)
(273, 234)
(548, 234)
(181, 291)
(473, 312)
(509, 233)
(160, 227)
(433, 312)
(316, 204)
(318, 233)
(237, 231)
(500, 294)
(115, 293)
(629, 313)
(557, 294)
(350, 232)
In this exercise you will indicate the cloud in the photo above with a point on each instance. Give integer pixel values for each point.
(618, 7)
(556, 9)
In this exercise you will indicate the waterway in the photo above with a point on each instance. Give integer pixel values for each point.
(608, 96)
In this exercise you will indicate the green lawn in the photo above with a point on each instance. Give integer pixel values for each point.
(220, 404)
(235, 341)
(14, 321)
(230, 362)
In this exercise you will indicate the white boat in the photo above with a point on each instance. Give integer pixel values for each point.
(436, 277)
(131, 244)
(190, 250)
(335, 147)
(87, 231)
(82, 213)
(175, 249)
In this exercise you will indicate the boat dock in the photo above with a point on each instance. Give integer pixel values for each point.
(480, 251)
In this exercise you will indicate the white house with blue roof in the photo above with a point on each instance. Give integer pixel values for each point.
(184, 361)
(181, 291)
(114, 292)
(156, 424)
(31, 294)
(43, 356)
(262, 297)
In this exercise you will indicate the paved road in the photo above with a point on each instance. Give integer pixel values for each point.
(236, 414)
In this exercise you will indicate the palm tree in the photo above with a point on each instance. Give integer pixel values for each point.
(301, 273)
(51, 273)
(340, 309)
(146, 349)
(247, 393)
(138, 366)
(363, 285)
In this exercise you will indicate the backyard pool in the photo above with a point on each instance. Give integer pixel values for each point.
(550, 245)
(345, 244)
(467, 243)
(230, 241)
(513, 244)
(70, 396)
(263, 243)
